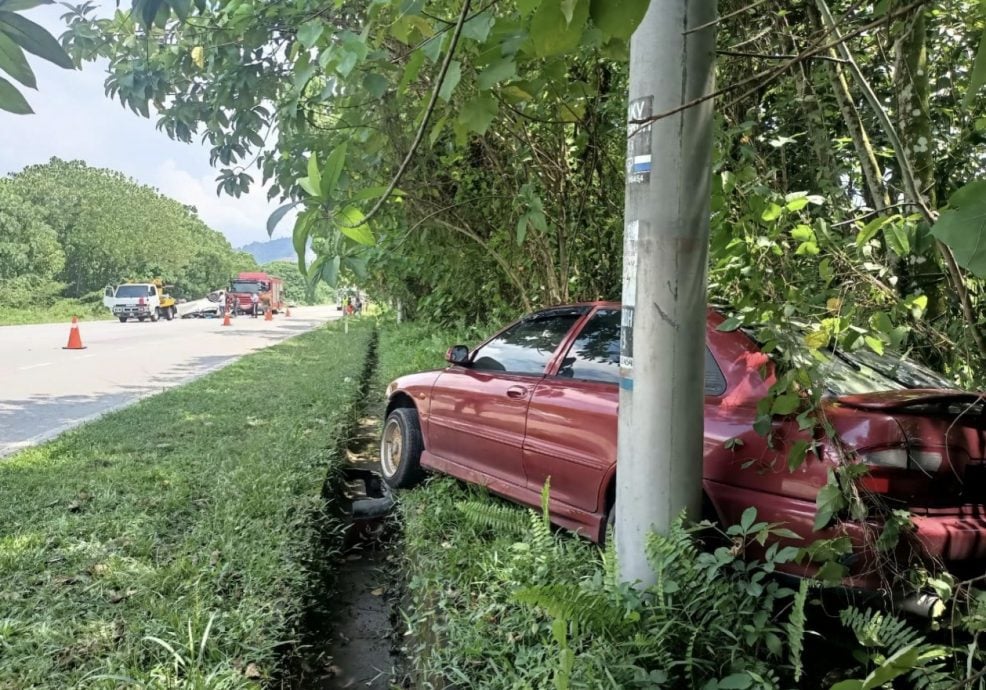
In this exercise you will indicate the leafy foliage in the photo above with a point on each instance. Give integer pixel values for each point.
(17, 36)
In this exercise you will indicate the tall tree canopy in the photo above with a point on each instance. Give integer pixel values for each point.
(496, 132)
(89, 227)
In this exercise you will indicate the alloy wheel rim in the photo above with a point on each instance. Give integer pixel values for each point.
(390, 449)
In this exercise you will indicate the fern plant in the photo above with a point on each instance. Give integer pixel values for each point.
(891, 648)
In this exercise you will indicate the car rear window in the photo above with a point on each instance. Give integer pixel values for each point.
(527, 346)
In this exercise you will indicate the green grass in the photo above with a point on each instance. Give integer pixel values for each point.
(172, 543)
(63, 310)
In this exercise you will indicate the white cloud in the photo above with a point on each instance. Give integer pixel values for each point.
(242, 220)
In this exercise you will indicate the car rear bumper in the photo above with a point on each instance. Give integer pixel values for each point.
(955, 537)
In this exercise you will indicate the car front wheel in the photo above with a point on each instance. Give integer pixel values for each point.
(400, 449)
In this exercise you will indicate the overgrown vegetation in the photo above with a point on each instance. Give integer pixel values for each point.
(170, 545)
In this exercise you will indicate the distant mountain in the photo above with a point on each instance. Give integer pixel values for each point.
(272, 250)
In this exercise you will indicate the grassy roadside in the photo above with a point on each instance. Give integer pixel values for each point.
(171, 543)
(63, 310)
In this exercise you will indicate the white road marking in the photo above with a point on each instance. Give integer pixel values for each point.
(35, 366)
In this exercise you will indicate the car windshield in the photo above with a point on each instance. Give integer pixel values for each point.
(132, 291)
(864, 371)
(245, 286)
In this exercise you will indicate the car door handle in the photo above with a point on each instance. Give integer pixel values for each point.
(516, 392)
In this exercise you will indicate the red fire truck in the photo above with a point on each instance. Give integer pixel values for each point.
(270, 290)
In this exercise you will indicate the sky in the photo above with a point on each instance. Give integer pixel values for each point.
(74, 120)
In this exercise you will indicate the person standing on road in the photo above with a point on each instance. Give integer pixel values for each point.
(254, 303)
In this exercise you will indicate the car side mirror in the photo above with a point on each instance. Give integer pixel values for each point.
(457, 354)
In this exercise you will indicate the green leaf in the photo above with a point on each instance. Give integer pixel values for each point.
(747, 519)
(278, 215)
(299, 237)
(828, 502)
(730, 324)
(21, 5)
(374, 192)
(568, 10)
(478, 27)
(796, 456)
(452, 77)
(333, 170)
(848, 685)
(963, 227)
(525, 7)
(181, 8)
(477, 114)
(310, 32)
(896, 665)
(736, 681)
(618, 18)
(785, 404)
(352, 225)
(11, 99)
(375, 84)
(771, 213)
(34, 39)
(551, 34)
(330, 270)
(314, 176)
(897, 239)
(411, 70)
(870, 230)
(978, 75)
(14, 63)
(501, 70)
(521, 229)
(797, 203)
(874, 344)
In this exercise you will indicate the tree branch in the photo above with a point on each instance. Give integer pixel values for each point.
(419, 135)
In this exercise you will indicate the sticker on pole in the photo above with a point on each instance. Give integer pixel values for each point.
(639, 141)
(626, 342)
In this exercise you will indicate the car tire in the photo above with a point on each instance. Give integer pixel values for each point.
(400, 449)
(169, 314)
(123, 319)
(155, 315)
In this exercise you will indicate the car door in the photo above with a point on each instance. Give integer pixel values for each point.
(572, 418)
(478, 412)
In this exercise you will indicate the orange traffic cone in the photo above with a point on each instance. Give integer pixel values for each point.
(269, 314)
(226, 321)
(74, 339)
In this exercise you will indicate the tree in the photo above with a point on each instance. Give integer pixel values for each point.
(28, 246)
(18, 35)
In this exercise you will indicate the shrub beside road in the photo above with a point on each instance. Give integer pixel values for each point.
(175, 539)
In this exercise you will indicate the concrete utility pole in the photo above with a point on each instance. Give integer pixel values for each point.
(665, 251)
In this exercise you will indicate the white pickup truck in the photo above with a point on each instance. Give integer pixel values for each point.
(141, 301)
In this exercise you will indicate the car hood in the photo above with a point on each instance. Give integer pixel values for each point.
(902, 399)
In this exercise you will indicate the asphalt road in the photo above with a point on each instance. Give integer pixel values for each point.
(45, 390)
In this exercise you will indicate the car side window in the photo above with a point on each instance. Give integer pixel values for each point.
(715, 382)
(595, 354)
(526, 347)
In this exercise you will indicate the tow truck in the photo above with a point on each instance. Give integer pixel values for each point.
(141, 301)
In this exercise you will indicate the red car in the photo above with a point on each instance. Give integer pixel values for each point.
(539, 399)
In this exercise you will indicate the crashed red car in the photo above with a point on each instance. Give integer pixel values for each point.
(539, 399)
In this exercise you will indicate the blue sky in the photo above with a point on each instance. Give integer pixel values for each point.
(73, 119)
